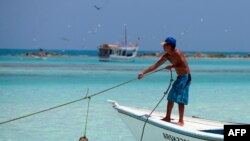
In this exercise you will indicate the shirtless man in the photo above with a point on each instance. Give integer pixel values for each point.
(180, 88)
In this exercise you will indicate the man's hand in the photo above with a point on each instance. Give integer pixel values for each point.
(140, 75)
(169, 67)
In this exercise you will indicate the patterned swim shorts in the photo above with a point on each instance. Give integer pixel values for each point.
(180, 89)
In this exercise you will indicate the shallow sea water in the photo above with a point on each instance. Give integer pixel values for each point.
(219, 91)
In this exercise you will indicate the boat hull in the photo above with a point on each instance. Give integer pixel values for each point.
(153, 132)
(115, 58)
(157, 130)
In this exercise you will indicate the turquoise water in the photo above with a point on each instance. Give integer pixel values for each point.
(220, 91)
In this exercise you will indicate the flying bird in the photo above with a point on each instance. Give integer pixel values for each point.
(65, 39)
(97, 8)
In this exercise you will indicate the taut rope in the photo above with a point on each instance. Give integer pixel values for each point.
(74, 101)
(164, 94)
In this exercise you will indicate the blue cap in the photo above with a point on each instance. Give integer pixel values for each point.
(169, 40)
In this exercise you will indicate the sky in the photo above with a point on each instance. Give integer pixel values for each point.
(198, 25)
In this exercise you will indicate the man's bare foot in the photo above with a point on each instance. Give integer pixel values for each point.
(180, 123)
(166, 119)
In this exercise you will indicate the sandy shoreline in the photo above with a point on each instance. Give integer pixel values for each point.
(198, 55)
(48, 54)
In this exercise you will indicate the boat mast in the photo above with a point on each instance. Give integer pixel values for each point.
(125, 34)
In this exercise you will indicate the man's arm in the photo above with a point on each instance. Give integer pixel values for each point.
(153, 67)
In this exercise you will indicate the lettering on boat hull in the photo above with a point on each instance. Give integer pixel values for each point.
(173, 138)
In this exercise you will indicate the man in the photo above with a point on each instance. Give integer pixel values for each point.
(180, 88)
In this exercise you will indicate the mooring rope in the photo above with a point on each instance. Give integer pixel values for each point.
(84, 137)
(164, 94)
(74, 101)
(86, 123)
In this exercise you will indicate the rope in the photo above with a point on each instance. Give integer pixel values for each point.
(124, 83)
(84, 138)
(164, 94)
(42, 111)
(86, 123)
(74, 101)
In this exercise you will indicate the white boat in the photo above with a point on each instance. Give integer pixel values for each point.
(194, 129)
(109, 52)
(118, 52)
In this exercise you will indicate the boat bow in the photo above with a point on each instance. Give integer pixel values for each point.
(195, 129)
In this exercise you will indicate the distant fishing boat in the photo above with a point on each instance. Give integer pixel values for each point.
(109, 52)
(117, 52)
(195, 129)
